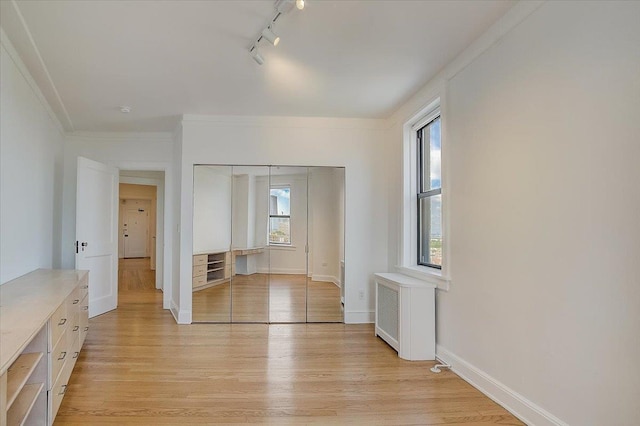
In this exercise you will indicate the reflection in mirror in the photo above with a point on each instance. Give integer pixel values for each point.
(287, 244)
(325, 286)
(250, 251)
(268, 244)
(211, 244)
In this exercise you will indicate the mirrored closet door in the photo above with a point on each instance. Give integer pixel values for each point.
(212, 259)
(288, 244)
(249, 247)
(268, 244)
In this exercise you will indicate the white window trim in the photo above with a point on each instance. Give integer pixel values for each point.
(408, 262)
(281, 245)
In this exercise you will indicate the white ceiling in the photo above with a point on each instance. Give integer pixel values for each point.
(167, 58)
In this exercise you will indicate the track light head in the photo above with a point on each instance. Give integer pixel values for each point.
(256, 55)
(284, 6)
(300, 4)
(270, 36)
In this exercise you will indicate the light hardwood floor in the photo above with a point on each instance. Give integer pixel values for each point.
(139, 367)
(268, 298)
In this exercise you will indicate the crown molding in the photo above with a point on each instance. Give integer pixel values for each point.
(81, 136)
(288, 121)
(516, 15)
(66, 118)
(22, 68)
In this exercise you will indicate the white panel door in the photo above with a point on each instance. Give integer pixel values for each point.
(136, 231)
(97, 232)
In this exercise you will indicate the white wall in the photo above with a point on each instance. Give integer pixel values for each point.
(325, 192)
(543, 146)
(357, 144)
(127, 152)
(31, 146)
(212, 209)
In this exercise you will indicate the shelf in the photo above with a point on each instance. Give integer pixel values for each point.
(215, 261)
(19, 411)
(215, 269)
(19, 373)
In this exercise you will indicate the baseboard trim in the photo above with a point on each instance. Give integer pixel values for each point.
(326, 278)
(281, 271)
(516, 404)
(181, 316)
(359, 317)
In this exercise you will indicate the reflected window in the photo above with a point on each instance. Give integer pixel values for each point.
(429, 195)
(280, 215)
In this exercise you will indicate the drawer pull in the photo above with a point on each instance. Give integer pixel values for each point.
(76, 328)
(64, 389)
(84, 308)
(86, 329)
(75, 355)
(75, 301)
(62, 321)
(63, 355)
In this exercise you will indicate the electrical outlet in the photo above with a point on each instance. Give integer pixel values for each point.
(361, 295)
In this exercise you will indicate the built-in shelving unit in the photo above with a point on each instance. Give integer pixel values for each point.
(42, 319)
(211, 269)
(21, 396)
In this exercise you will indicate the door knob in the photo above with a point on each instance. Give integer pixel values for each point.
(84, 244)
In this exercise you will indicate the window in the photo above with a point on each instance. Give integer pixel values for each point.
(429, 194)
(280, 215)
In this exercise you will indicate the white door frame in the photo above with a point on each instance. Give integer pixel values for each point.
(164, 199)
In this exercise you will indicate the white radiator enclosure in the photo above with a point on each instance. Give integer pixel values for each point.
(405, 315)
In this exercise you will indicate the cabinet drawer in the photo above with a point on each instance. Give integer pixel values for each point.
(84, 319)
(59, 355)
(73, 332)
(198, 281)
(74, 351)
(60, 387)
(199, 270)
(58, 322)
(199, 259)
(73, 302)
(83, 288)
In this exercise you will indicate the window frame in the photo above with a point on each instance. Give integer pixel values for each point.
(272, 243)
(408, 249)
(421, 192)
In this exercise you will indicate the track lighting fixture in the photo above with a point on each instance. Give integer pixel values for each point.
(281, 7)
(256, 55)
(270, 36)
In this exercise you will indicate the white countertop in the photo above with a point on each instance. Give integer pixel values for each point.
(26, 304)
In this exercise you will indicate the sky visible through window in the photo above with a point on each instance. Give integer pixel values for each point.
(280, 212)
(283, 201)
(435, 177)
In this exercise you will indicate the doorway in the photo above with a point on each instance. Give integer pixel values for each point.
(140, 219)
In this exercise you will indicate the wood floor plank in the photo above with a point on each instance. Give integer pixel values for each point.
(139, 367)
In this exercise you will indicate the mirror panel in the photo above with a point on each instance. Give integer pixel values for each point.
(326, 244)
(268, 244)
(250, 251)
(287, 243)
(211, 244)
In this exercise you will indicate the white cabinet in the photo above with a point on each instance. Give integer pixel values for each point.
(43, 322)
(405, 315)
